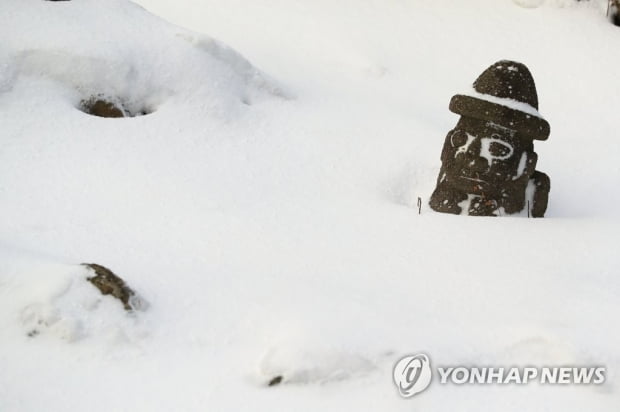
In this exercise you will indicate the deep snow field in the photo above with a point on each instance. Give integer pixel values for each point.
(266, 208)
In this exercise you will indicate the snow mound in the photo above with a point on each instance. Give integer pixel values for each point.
(120, 57)
(307, 364)
(56, 301)
(529, 4)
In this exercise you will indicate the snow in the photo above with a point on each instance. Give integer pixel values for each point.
(56, 301)
(510, 103)
(266, 207)
(521, 167)
(529, 3)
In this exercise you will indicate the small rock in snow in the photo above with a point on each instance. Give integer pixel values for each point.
(101, 108)
(110, 284)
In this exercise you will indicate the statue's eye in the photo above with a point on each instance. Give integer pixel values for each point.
(499, 149)
(494, 149)
(458, 138)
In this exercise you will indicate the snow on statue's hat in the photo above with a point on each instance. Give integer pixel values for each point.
(504, 94)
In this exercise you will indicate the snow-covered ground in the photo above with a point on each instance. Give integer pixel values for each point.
(266, 207)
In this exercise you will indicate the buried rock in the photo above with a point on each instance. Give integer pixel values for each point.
(102, 108)
(102, 105)
(276, 380)
(110, 284)
(488, 159)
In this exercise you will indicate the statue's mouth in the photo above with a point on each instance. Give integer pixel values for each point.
(474, 179)
(474, 185)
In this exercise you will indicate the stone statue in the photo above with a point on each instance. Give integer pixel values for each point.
(488, 160)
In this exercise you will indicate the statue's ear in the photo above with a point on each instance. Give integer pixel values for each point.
(530, 163)
(531, 158)
(541, 195)
(447, 146)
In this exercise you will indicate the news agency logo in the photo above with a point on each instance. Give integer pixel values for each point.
(413, 374)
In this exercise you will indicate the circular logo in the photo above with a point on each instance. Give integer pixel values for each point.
(412, 374)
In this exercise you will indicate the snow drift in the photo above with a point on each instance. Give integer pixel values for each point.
(278, 236)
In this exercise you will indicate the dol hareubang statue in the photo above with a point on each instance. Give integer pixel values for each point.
(488, 160)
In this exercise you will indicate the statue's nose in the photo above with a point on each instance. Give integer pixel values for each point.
(474, 147)
(475, 162)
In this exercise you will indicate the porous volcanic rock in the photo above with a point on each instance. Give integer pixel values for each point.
(110, 284)
(488, 159)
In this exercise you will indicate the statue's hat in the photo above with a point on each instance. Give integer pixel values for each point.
(505, 94)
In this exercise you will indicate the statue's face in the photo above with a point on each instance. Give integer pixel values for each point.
(480, 157)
